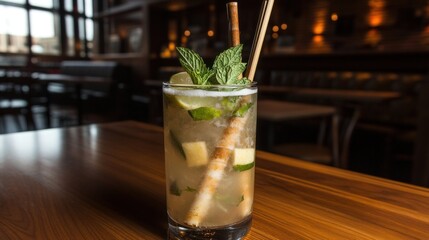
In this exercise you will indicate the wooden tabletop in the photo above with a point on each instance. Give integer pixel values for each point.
(273, 110)
(107, 182)
(360, 96)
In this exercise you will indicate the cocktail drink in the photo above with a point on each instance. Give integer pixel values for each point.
(209, 138)
(195, 120)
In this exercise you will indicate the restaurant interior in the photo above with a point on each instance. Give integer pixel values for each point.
(340, 83)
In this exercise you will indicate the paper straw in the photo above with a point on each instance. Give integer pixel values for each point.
(258, 41)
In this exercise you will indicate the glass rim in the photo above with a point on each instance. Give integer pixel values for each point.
(215, 86)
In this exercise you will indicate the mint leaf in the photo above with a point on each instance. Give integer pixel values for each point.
(206, 77)
(229, 74)
(174, 189)
(189, 189)
(241, 199)
(228, 66)
(231, 56)
(243, 109)
(243, 81)
(194, 65)
(226, 70)
(176, 143)
(229, 103)
(204, 113)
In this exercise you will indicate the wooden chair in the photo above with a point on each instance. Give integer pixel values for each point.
(330, 149)
(15, 101)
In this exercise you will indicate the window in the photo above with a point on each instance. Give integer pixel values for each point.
(42, 3)
(89, 24)
(80, 6)
(45, 39)
(88, 8)
(70, 45)
(68, 5)
(41, 34)
(13, 30)
(15, 1)
(86, 26)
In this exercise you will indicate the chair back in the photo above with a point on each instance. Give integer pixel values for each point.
(15, 100)
(15, 94)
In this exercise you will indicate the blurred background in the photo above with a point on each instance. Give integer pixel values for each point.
(343, 83)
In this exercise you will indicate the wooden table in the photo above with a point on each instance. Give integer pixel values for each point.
(77, 82)
(348, 95)
(107, 182)
(275, 112)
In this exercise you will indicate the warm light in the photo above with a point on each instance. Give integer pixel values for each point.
(320, 17)
(275, 35)
(275, 28)
(319, 28)
(172, 31)
(184, 40)
(376, 3)
(375, 18)
(376, 13)
(187, 33)
(283, 26)
(171, 46)
(373, 37)
(318, 39)
(334, 17)
(165, 53)
(210, 33)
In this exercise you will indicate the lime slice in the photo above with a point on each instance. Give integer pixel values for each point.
(181, 78)
(189, 102)
(205, 113)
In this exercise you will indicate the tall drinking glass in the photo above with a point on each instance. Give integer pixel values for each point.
(209, 139)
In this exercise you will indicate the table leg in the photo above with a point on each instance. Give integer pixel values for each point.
(78, 89)
(344, 160)
(47, 106)
(270, 135)
(421, 155)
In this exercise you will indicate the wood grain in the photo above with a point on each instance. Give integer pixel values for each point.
(107, 182)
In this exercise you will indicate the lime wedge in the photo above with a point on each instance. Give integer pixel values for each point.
(205, 113)
(181, 78)
(189, 102)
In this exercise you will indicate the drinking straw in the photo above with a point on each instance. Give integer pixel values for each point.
(225, 147)
(234, 28)
(264, 18)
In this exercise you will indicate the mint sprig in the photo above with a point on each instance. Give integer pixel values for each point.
(226, 69)
(194, 65)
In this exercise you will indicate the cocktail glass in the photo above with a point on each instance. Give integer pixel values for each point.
(209, 170)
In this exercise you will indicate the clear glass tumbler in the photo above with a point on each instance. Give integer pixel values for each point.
(209, 139)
